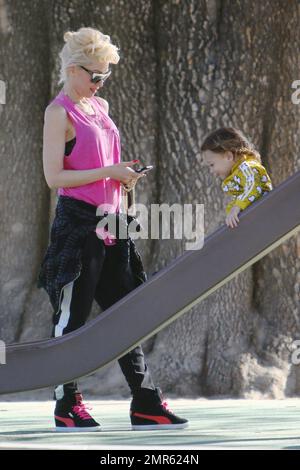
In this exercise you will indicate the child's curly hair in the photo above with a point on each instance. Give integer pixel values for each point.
(229, 139)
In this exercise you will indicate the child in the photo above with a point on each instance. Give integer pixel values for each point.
(232, 157)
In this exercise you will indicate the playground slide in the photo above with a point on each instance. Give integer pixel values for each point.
(161, 300)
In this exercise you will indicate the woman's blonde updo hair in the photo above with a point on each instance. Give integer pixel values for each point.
(85, 45)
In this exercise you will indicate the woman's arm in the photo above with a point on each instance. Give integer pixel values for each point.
(55, 126)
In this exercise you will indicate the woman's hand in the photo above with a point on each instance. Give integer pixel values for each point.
(232, 219)
(129, 186)
(122, 172)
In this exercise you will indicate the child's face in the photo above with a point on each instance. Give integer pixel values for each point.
(220, 164)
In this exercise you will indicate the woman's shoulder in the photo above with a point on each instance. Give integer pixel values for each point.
(103, 103)
(56, 114)
(55, 108)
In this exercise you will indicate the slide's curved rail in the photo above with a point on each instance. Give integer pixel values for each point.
(163, 298)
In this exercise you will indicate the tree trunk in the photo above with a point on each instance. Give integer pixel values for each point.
(24, 65)
(229, 63)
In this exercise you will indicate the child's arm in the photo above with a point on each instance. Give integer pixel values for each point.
(232, 219)
(252, 183)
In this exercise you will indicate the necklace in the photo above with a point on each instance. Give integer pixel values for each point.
(82, 104)
(95, 113)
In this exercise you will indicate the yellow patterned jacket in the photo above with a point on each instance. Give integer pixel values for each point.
(247, 182)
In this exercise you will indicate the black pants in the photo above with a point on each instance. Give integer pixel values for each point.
(106, 277)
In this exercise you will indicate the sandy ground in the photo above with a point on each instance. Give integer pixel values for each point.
(214, 424)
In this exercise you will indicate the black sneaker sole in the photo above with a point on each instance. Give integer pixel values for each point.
(79, 429)
(153, 427)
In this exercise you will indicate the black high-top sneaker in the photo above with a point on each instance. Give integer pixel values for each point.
(148, 411)
(71, 415)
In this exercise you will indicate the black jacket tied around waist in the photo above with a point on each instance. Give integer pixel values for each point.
(74, 220)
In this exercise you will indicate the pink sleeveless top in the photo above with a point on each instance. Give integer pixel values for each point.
(97, 145)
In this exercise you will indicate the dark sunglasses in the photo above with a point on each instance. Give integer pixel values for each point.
(97, 77)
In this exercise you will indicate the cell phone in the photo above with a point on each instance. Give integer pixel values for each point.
(147, 168)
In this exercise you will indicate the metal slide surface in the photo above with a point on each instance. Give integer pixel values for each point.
(162, 299)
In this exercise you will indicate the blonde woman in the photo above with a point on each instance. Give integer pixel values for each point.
(81, 158)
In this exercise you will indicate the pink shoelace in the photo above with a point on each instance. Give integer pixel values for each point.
(166, 406)
(81, 410)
